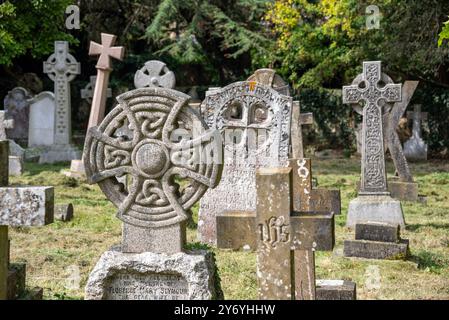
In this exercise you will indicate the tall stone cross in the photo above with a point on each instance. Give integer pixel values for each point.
(298, 120)
(88, 92)
(19, 207)
(4, 124)
(62, 68)
(367, 88)
(106, 51)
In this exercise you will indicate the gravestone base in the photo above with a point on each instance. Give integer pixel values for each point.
(366, 208)
(76, 171)
(153, 276)
(403, 191)
(15, 166)
(335, 290)
(59, 153)
(376, 249)
(63, 212)
(415, 150)
(236, 230)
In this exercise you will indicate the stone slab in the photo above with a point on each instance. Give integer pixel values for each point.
(312, 231)
(169, 239)
(64, 212)
(375, 249)
(26, 206)
(403, 191)
(153, 276)
(236, 230)
(383, 232)
(59, 153)
(16, 280)
(375, 209)
(335, 290)
(15, 166)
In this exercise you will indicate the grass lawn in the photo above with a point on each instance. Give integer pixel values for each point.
(52, 252)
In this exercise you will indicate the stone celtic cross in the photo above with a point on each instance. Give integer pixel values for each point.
(154, 74)
(62, 68)
(106, 51)
(367, 87)
(4, 124)
(88, 92)
(153, 208)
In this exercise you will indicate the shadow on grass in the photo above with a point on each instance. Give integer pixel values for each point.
(417, 226)
(429, 260)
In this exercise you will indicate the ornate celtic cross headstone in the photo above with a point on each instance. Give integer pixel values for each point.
(154, 74)
(88, 92)
(62, 68)
(366, 87)
(154, 207)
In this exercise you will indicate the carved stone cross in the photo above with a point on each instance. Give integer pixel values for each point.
(367, 87)
(4, 124)
(415, 149)
(62, 68)
(298, 120)
(106, 51)
(88, 92)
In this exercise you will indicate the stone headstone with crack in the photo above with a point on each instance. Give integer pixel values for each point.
(151, 262)
(415, 149)
(20, 206)
(17, 108)
(374, 202)
(62, 68)
(254, 120)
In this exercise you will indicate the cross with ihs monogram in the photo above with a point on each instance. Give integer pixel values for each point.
(5, 124)
(62, 68)
(367, 87)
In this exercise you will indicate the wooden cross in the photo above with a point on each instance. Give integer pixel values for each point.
(19, 207)
(106, 51)
(366, 88)
(62, 68)
(5, 124)
(298, 120)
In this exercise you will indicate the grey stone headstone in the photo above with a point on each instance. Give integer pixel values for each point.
(254, 121)
(17, 108)
(42, 120)
(415, 149)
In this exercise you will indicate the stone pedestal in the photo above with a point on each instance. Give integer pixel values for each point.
(153, 276)
(335, 290)
(375, 240)
(236, 230)
(402, 190)
(59, 153)
(375, 209)
(76, 170)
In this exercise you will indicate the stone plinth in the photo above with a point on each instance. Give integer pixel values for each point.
(375, 209)
(153, 276)
(236, 230)
(377, 232)
(376, 249)
(33, 206)
(59, 153)
(335, 290)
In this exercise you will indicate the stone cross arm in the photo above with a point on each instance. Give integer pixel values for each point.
(106, 50)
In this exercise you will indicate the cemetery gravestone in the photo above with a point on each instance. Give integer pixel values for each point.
(42, 120)
(15, 163)
(151, 262)
(20, 206)
(62, 68)
(415, 149)
(154, 74)
(254, 120)
(17, 107)
(374, 202)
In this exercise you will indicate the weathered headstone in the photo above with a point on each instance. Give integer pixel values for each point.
(374, 202)
(17, 107)
(254, 121)
(154, 74)
(20, 206)
(106, 51)
(88, 92)
(151, 263)
(415, 149)
(42, 120)
(15, 162)
(62, 68)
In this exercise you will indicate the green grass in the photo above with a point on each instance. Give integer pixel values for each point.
(51, 251)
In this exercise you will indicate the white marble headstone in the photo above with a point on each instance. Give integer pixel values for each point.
(42, 120)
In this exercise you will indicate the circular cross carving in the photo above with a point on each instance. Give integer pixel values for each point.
(151, 158)
(154, 74)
